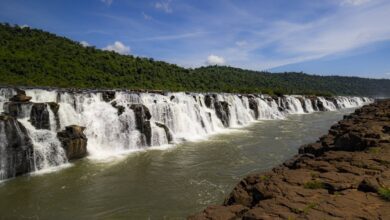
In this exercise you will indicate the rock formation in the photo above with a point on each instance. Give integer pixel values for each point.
(16, 148)
(167, 131)
(142, 117)
(20, 96)
(108, 96)
(222, 111)
(344, 175)
(74, 141)
(39, 116)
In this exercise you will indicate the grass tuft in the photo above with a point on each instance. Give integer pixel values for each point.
(314, 185)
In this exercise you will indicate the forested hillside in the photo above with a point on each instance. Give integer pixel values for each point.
(31, 57)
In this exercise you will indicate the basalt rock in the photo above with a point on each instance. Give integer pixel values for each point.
(142, 118)
(209, 101)
(344, 175)
(108, 96)
(16, 148)
(167, 131)
(18, 109)
(222, 112)
(39, 116)
(73, 141)
(120, 108)
(253, 105)
(20, 96)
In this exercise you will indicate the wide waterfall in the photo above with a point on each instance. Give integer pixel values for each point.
(117, 122)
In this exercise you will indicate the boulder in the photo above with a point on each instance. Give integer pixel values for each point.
(16, 148)
(142, 118)
(167, 131)
(74, 141)
(20, 96)
(222, 112)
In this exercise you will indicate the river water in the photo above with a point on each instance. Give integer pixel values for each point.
(168, 183)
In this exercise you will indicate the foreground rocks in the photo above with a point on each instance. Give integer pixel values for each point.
(74, 141)
(344, 175)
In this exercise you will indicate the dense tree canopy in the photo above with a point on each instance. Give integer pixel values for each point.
(31, 57)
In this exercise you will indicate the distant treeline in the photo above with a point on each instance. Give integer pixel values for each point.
(31, 57)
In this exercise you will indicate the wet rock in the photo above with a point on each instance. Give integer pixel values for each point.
(55, 107)
(142, 117)
(222, 112)
(18, 109)
(209, 101)
(320, 106)
(167, 131)
(108, 96)
(74, 141)
(120, 108)
(16, 148)
(39, 116)
(20, 96)
(254, 106)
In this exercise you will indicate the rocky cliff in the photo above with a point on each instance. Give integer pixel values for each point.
(344, 175)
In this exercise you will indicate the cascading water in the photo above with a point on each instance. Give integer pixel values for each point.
(131, 121)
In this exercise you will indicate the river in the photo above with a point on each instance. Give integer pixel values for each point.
(161, 183)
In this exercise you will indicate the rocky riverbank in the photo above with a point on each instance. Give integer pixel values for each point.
(344, 175)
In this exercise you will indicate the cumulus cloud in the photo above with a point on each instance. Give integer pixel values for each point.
(354, 2)
(107, 2)
(118, 47)
(24, 26)
(215, 60)
(164, 5)
(85, 43)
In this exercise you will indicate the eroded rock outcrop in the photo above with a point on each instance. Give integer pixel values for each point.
(20, 96)
(74, 141)
(108, 96)
(167, 131)
(344, 175)
(222, 112)
(142, 118)
(16, 148)
(253, 105)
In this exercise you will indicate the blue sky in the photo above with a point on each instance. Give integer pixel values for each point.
(327, 37)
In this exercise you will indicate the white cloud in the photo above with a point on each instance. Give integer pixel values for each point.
(354, 2)
(241, 43)
(85, 43)
(107, 2)
(24, 26)
(164, 5)
(118, 47)
(215, 60)
(146, 16)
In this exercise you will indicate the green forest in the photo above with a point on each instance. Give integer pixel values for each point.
(32, 57)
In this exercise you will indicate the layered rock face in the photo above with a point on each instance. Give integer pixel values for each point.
(344, 175)
(16, 148)
(74, 141)
(142, 117)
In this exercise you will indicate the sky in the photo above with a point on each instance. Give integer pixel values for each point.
(326, 37)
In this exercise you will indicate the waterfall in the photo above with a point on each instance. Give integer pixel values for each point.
(130, 121)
